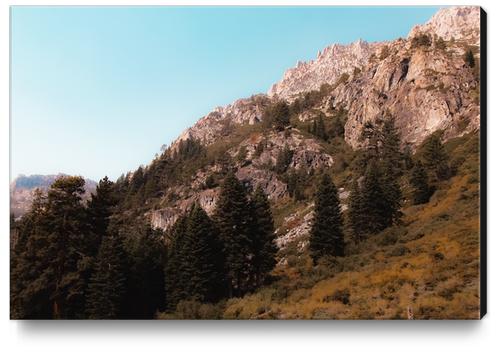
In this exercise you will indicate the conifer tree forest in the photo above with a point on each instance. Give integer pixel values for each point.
(103, 258)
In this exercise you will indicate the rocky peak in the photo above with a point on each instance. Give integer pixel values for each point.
(329, 65)
(462, 23)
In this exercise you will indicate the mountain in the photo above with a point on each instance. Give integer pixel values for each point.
(22, 190)
(426, 88)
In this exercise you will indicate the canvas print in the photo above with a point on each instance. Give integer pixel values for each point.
(311, 163)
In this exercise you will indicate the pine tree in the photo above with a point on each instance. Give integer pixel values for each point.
(420, 183)
(392, 195)
(390, 137)
(148, 275)
(357, 231)
(100, 207)
(292, 182)
(284, 159)
(469, 58)
(435, 157)
(242, 154)
(263, 247)
(201, 259)
(173, 286)
(232, 218)
(106, 287)
(326, 236)
(281, 115)
(26, 300)
(373, 215)
(320, 128)
(313, 131)
(55, 254)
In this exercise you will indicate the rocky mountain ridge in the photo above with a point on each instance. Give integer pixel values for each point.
(426, 88)
(459, 23)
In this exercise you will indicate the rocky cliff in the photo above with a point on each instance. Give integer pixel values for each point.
(22, 190)
(328, 66)
(426, 88)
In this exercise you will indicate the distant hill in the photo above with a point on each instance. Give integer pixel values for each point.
(22, 190)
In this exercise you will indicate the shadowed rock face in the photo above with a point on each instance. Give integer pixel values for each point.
(270, 183)
(425, 91)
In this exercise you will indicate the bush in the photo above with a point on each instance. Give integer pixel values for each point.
(398, 250)
(342, 295)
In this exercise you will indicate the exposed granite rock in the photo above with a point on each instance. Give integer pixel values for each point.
(164, 218)
(462, 23)
(303, 228)
(210, 127)
(270, 183)
(426, 92)
(329, 65)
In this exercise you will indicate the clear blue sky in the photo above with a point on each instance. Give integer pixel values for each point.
(96, 91)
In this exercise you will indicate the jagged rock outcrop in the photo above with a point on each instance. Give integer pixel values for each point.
(273, 188)
(425, 89)
(462, 23)
(215, 124)
(329, 65)
(164, 218)
(22, 190)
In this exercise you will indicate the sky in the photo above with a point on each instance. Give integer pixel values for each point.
(96, 91)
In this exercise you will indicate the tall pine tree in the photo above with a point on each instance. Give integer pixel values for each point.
(355, 226)
(392, 194)
(106, 289)
(373, 215)
(201, 259)
(326, 236)
(233, 220)
(173, 286)
(420, 183)
(264, 247)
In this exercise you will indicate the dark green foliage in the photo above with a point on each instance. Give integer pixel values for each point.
(174, 287)
(210, 181)
(283, 159)
(355, 227)
(201, 275)
(260, 148)
(148, 275)
(440, 44)
(320, 128)
(54, 253)
(392, 194)
(264, 248)
(421, 40)
(420, 183)
(292, 182)
(469, 58)
(106, 290)
(242, 154)
(232, 218)
(281, 115)
(390, 137)
(373, 215)
(223, 160)
(326, 236)
(435, 157)
(100, 207)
